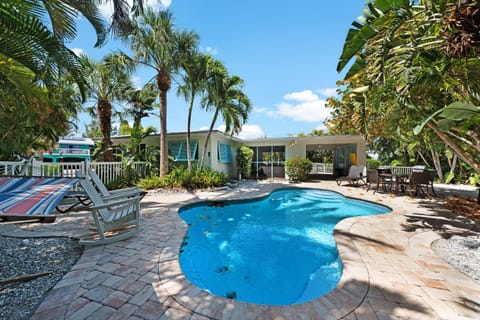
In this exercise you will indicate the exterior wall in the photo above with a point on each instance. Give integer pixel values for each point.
(211, 156)
(294, 146)
(297, 146)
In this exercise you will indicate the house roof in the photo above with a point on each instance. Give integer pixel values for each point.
(76, 140)
(182, 133)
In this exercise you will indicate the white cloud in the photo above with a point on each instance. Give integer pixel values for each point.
(328, 92)
(212, 51)
(249, 131)
(305, 95)
(303, 106)
(106, 9)
(78, 51)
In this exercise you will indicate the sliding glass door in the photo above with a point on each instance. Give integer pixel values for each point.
(268, 162)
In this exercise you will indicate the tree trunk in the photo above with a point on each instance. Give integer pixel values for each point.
(164, 84)
(456, 149)
(189, 121)
(104, 110)
(202, 164)
(454, 165)
(436, 163)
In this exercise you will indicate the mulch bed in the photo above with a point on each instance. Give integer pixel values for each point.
(469, 208)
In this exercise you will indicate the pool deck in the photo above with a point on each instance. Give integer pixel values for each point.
(390, 271)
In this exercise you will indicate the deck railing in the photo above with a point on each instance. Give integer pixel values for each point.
(321, 168)
(71, 151)
(11, 168)
(107, 171)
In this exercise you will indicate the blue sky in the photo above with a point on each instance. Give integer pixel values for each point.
(286, 52)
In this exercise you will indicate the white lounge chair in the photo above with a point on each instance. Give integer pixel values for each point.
(356, 174)
(112, 214)
(120, 193)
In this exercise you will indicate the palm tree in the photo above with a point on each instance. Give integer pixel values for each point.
(225, 95)
(107, 84)
(158, 45)
(29, 41)
(141, 102)
(193, 82)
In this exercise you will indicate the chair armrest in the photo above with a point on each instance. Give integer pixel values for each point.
(117, 203)
(122, 195)
(126, 190)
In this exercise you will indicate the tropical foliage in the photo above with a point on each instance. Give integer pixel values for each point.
(39, 76)
(181, 178)
(158, 45)
(407, 71)
(225, 97)
(108, 82)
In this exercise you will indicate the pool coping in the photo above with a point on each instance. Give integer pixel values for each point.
(344, 299)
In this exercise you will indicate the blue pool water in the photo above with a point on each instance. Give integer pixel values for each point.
(276, 250)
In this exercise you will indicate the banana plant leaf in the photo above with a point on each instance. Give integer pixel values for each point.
(459, 111)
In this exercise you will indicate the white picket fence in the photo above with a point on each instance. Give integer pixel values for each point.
(321, 168)
(107, 171)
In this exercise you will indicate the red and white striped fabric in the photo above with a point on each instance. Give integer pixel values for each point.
(32, 196)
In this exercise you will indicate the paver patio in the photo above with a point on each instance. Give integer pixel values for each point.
(390, 272)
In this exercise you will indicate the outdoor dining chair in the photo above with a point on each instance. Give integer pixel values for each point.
(420, 182)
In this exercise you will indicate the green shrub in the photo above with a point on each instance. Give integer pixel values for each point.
(244, 161)
(298, 168)
(152, 182)
(373, 164)
(397, 163)
(180, 178)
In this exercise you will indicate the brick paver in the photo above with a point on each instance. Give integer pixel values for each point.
(390, 272)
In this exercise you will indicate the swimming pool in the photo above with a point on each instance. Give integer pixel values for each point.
(276, 250)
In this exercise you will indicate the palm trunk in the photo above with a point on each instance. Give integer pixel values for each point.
(163, 135)
(189, 121)
(164, 84)
(202, 164)
(104, 109)
(456, 149)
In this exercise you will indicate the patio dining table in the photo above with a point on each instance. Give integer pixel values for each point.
(394, 183)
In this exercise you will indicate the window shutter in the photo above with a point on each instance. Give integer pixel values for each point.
(224, 152)
(178, 149)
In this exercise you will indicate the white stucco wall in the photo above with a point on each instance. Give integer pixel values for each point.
(294, 146)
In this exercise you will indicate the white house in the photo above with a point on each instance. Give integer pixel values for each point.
(270, 154)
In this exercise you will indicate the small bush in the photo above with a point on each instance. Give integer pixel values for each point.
(298, 168)
(152, 182)
(373, 164)
(180, 178)
(244, 161)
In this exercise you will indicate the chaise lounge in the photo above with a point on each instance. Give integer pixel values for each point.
(355, 175)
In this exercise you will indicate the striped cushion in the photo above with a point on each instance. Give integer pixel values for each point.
(32, 196)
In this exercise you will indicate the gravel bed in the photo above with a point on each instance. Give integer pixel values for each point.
(26, 256)
(462, 252)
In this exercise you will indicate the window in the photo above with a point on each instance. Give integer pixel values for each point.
(224, 152)
(178, 149)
